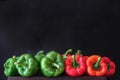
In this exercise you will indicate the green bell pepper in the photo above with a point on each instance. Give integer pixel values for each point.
(27, 65)
(52, 64)
(39, 55)
(9, 67)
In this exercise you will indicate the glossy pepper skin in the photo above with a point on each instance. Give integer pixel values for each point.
(52, 64)
(75, 66)
(79, 52)
(27, 65)
(111, 67)
(95, 67)
(39, 55)
(10, 67)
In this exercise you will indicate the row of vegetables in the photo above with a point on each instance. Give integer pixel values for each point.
(55, 64)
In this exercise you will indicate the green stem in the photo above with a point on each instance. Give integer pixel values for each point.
(40, 52)
(14, 56)
(97, 64)
(56, 65)
(79, 52)
(66, 53)
(74, 61)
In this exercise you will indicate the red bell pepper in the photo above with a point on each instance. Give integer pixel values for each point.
(111, 67)
(95, 67)
(75, 66)
(79, 52)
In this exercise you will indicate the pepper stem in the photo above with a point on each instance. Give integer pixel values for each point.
(74, 61)
(14, 56)
(66, 53)
(40, 52)
(79, 52)
(97, 64)
(56, 65)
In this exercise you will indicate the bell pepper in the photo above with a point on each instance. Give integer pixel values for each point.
(39, 55)
(79, 52)
(52, 64)
(75, 66)
(27, 65)
(111, 67)
(95, 67)
(67, 53)
(10, 67)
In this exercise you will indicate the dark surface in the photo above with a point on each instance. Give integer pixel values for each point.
(89, 25)
(58, 78)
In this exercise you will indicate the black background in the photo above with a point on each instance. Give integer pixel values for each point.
(33, 25)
